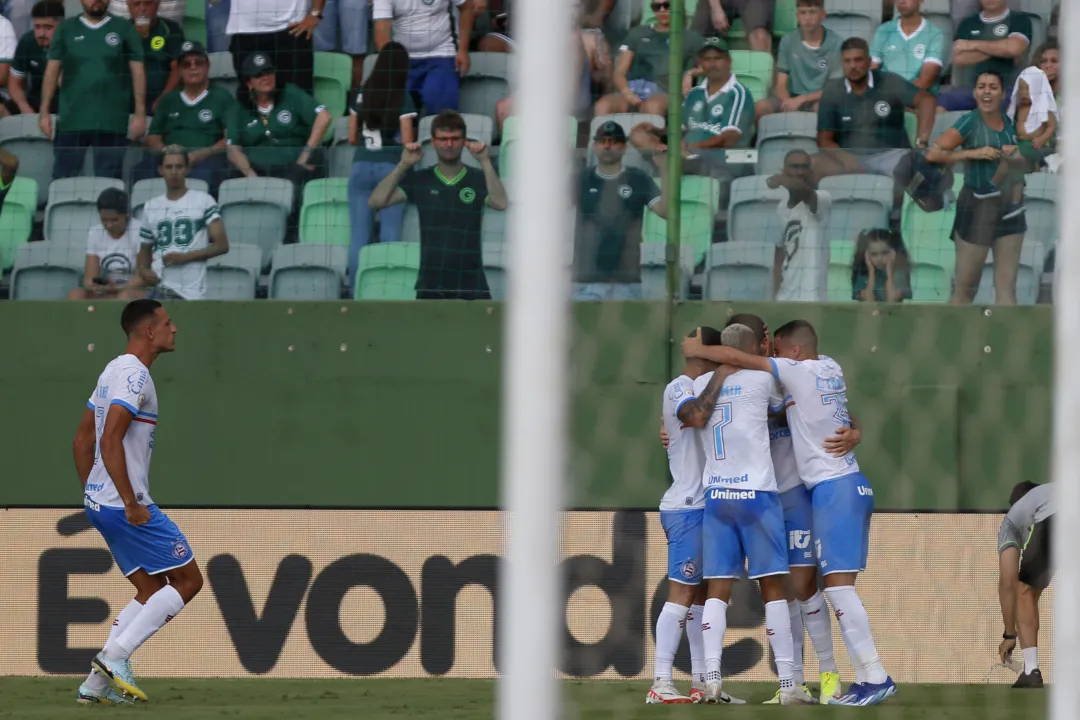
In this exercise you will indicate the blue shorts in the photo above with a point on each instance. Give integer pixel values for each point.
(799, 524)
(683, 531)
(749, 529)
(842, 511)
(154, 547)
(644, 89)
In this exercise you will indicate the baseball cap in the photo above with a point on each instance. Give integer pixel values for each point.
(610, 129)
(714, 43)
(193, 47)
(256, 64)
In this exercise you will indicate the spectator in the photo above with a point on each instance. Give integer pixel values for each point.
(715, 16)
(276, 131)
(961, 10)
(806, 58)
(861, 117)
(1033, 112)
(379, 125)
(101, 58)
(182, 230)
(280, 29)
(161, 40)
(1047, 58)
(344, 28)
(499, 37)
(984, 217)
(801, 262)
(881, 269)
(910, 46)
(174, 10)
(996, 39)
(31, 57)
(112, 252)
(8, 42)
(611, 204)
(195, 117)
(437, 60)
(641, 69)
(450, 198)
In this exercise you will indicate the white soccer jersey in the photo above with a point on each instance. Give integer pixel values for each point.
(118, 256)
(257, 17)
(8, 40)
(805, 273)
(126, 382)
(783, 455)
(180, 226)
(427, 28)
(685, 458)
(820, 395)
(736, 438)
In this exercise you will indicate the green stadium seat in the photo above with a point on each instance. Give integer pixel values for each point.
(17, 219)
(740, 271)
(929, 244)
(72, 208)
(779, 134)
(333, 78)
(255, 210)
(21, 136)
(696, 229)
(853, 18)
(701, 190)
(234, 275)
(195, 28)
(784, 20)
(486, 83)
(754, 70)
(654, 270)
(388, 271)
(752, 216)
(510, 138)
(308, 272)
(840, 254)
(324, 214)
(46, 271)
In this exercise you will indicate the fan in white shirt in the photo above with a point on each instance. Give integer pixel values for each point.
(801, 267)
(112, 252)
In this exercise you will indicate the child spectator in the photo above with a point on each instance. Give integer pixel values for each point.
(807, 56)
(880, 270)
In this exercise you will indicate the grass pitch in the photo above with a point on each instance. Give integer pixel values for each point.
(264, 699)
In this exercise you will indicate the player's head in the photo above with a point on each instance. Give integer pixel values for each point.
(755, 323)
(700, 366)
(147, 323)
(173, 166)
(855, 56)
(1020, 490)
(796, 340)
(741, 337)
(448, 136)
(46, 15)
(112, 207)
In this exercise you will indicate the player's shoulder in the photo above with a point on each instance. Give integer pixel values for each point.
(679, 388)
(200, 197)
(698, 92)
(701, 381)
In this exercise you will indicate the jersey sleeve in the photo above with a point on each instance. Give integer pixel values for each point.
(903, 89)
(877, 45)
(133, 43)
(58, 46)
(787, 372)
(680, 392)
(741, 114)
(827, 115)
(146, 235)
(1009, 536)
(130, 389)
(20, 64)
(1020, 24)
(632, 39)
(157, 123)
(211, 211)
(408, 106)
(383, 10)
(700, 383)
(776, 396)
(8, 41)
(409, 182)
(307, 107)
(824, 206)
(965, 125)
(646, 188)
(935, 48)
(783, 55)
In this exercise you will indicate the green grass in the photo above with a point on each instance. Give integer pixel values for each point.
(473, 699)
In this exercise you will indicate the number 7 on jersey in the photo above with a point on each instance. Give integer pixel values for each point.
(723, 413)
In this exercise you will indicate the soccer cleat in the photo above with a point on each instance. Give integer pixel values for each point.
(119, 675)
(697, 692)
(866, 694)
(1033, 679)
(714, 695)
(775, 699)
(108, 696)
(830, 687)
(797, 695)
(663, 692)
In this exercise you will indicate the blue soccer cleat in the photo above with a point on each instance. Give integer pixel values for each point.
(119, 675)
(866, 694)
(108, 696)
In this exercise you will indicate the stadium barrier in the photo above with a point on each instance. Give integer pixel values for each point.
(323, 594)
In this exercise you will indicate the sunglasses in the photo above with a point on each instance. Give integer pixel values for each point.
(657, 7)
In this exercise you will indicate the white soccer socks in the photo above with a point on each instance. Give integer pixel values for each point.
(778, 628)
(797, 636)
(162, 607)
(1031, 659)
(131, 610)
(815, 616)
(697, 645)
(669, 630)
(855, 629)
(713, 627)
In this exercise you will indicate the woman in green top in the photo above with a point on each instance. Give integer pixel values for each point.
(379, 124)
(984, 216)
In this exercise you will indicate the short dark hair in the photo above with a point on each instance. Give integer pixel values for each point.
(135, 312)
(1020, 490)
(173, 150)
(810, 3)
(113, 199)
(448, 121)
(991, 73)
(751, 321)
(855, 43)
(801, 327)
(47, 9)
(710, 336)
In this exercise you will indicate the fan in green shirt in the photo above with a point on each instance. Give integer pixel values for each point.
(32, 56)
(161, 40)
(910, 46)
(807, 57)
(996, 39)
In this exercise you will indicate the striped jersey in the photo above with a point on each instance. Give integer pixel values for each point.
(125, 382)
(729, 108)
(180, 226)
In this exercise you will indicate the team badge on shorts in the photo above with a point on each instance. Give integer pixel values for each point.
(180, 550)
(689, 569)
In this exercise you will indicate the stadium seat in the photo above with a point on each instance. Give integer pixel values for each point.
(477, 127)
(654, 270)
(784, 20)
(340, 160)
(486, 83)
(1040, 12)
(255, 211)
(388, 271)
(853, 18)
(341, 131)
(72, 8)
(195, 28)
(781, 133)
(841, 253)
(740, 271)
(222, 71)
(1027, 277)
(308, 272)
(46, 271)
(21, 136)
(72, 208)
(1040, 198)
(752, 214)
(495, 255)
(234, 275)
(17, 219)
(152, 187)
(695, 230)
(324, 215)
(754, 70)
(859, 202)
(508, 145)
(927, 237)
(493, 226)
(628, 121)
(333, 78)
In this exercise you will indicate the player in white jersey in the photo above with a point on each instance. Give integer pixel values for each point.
(744, 520)
(842, 499)
(113, 446)
(181, 230)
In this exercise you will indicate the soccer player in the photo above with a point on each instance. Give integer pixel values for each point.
(181, 230)
(9, 165)
(112, 456)
(681, 511)
(1026, 570)
(841, 496)
(744, 519)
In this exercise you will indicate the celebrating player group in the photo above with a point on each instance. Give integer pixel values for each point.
(761, 449)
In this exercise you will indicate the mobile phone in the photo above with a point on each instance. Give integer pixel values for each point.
(99, 280)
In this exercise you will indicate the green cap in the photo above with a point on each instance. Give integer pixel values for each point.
(714, 43)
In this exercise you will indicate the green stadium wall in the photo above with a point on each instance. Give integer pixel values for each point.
(270, 404)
